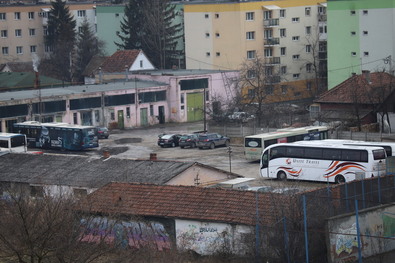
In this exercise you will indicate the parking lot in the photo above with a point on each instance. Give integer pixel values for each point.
(140, 143)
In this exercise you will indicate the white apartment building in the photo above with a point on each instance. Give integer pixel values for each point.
(23, 27)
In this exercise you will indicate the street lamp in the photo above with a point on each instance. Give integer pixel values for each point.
(230, 159)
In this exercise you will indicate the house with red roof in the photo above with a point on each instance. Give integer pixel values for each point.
(361, 99)
(205, 220)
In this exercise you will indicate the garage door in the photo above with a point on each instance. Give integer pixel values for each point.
(195, 106)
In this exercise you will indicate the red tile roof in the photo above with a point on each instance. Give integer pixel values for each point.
(186, 202)
(120, 59)
(363, 89)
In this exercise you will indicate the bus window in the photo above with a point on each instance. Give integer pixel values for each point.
(331, 154)
(4, 144)
(18, 141)
(295, 152)
(378, 154)
(356, 156)
(313, 153)
(277, 152)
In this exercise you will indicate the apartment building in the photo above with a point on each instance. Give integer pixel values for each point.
(361, 37)
(23, 27)
(290, 35)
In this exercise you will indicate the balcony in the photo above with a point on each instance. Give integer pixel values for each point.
(272, 42)
(322, 17)
(272, 60)
(322, 55)
(271, 22)
(273, 79)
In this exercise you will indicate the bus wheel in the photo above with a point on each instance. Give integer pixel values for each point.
(281, 176)
(340, 179)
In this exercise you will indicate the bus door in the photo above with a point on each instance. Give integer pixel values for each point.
(265, 164)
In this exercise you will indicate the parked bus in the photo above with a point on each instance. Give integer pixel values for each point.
(61, 136)
(254, 144)
(389, 147)
(13, 142)
(323, 162)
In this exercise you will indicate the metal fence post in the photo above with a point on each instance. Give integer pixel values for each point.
(358, 233)
(306, 239)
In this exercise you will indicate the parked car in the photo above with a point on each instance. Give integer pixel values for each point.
(188, 140)
(103, 133)
(168, 140)
(211, 140)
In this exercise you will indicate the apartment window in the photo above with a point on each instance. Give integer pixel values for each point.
(2, 16)
(31, 15)
(4, 33)
(217, 35)
(296, 76)
(352, 12)
(269, 90)
(218, 54)
(268, 52)
(81, 13)
(17, 15)
(216, 15)
(308, 30)
(45, 30)
(283, 70)
(283, 51)
(353, 54)
(283, 32)
(268, 34)
(250, 35)
(75, 118)
(322, 29)
(141, 63)
(206, 16)
(251, 74)
(251, 93)
(207, 34)
(295, 19)
(321, 10)
(365, 12)
(309, 85)
(282, 13)
(33, 49)
(284, 89)
(4, 50)
(116, 15)
(251, 54)
(295, 57)
(32, 31)
(18, 32)
(250, 16)
(208, 54)
(366, 54)
(353, 33)
(97, 115)
(48, 48)
(309, 67)
(182, 98)
(307, 11)
(295, 38)
(365, 33)
(269, 71)
(308, 48)
(19, 50)
(267, 15)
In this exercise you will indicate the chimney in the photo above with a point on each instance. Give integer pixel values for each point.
(106, 154)
(36, 80)
(152, 157)
(366, 74)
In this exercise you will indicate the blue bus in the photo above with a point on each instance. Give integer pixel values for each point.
(57, 135)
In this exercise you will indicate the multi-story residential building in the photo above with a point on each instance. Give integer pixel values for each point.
(361, 37)
(23, 28)
(289, 35)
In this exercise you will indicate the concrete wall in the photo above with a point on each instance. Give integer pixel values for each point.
(376, 228)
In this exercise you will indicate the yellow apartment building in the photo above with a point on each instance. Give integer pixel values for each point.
(289, 35)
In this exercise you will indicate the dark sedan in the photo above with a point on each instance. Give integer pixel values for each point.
(168, 140)
(188, 140)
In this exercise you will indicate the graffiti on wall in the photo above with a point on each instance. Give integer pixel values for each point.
(346, 241)
(204, 238)
(125, 234)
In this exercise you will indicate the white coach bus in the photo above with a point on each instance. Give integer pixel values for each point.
(325, 162)
(13, 142)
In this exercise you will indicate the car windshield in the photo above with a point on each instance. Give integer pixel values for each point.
(184, 137)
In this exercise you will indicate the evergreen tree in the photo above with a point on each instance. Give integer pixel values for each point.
(61, 38)
(132, 26)
(161, 33)
(88, 46)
